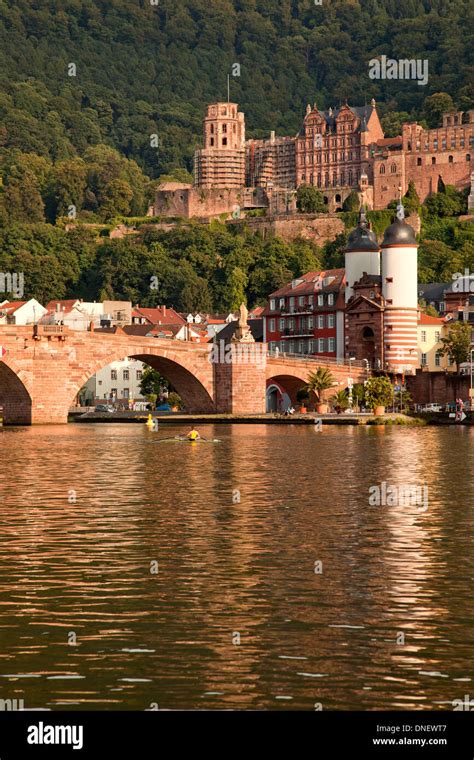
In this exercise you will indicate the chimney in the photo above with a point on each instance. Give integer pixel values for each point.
(163, 308)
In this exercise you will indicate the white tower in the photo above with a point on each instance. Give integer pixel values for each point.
(400, 290)
(361, 255)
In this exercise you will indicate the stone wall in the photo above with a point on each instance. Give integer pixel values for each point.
(430, 387)
(319, 228)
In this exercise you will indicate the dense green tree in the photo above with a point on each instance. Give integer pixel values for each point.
(309, 200)
(352, 202)
(457, 343)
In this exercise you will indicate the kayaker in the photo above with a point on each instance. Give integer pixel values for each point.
(193, 435)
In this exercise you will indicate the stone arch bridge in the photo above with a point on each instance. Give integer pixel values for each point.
(43, 368)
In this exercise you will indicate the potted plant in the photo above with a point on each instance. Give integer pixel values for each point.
(340, 401)
(151, 398)
(302, 396)
(175, 402)
(378, 394)
(318, 382)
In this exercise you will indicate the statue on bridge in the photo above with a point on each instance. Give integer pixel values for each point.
(243, 334)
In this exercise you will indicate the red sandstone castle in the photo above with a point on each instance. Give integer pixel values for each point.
(337, 151)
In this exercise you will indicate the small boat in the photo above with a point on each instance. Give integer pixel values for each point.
(185, 439)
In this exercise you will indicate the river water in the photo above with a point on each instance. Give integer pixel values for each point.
(248, 574)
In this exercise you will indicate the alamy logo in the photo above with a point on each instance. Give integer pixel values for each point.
(466, 704)
(405, 68)
(11, 705)
(463, 283)
(242, 353)
(385, 495)
(12, 283)
(42, 734)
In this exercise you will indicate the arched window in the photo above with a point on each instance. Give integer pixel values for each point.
(393, 168)
(418, 161)
(382, 169)
(450, 159)
(338, 198)
(212, 129)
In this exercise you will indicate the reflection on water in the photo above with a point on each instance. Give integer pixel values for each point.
(236, 529)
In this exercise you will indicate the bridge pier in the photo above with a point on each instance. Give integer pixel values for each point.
(240, 378)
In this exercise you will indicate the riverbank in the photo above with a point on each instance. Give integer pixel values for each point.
(272, 418)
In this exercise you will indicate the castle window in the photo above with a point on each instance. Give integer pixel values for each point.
(382, 169)
(468, 156)
(338, 197)
(433, 159)
(450, 159)
(435, 144)
(224, 141)
(212, 141)
(393, 168)
(224, 127)
(418, 161)
(212, 129)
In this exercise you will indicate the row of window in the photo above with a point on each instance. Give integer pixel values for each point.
(443, 143)
(327, 158)
(333, 141)
(419, 162)
(321, 322)
(125, 374)
(319, 346)
(438, 356)
(322, 298)
(437, 336)
(335, 182)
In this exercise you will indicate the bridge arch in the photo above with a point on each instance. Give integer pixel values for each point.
(15, 397)
(191, 376)
(287, 384)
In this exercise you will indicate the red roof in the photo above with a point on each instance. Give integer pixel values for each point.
(387, 142)
(309, 283)
(12, 306)
(66, 305)
(426, 319)
(159, 316)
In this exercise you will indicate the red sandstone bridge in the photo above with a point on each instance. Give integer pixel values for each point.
(44, 367)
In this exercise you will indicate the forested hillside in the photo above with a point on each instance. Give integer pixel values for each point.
(147, 67)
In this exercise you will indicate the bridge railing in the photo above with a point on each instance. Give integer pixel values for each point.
(331, 360)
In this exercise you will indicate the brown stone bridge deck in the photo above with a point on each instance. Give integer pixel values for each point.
(45, 366)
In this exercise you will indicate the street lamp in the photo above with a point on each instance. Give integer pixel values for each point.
(350, 381)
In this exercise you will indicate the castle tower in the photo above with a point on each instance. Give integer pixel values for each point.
(400, 291)
(221, 162)
(361, 255)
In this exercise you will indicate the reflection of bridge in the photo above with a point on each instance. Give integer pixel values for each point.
(45, 366)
